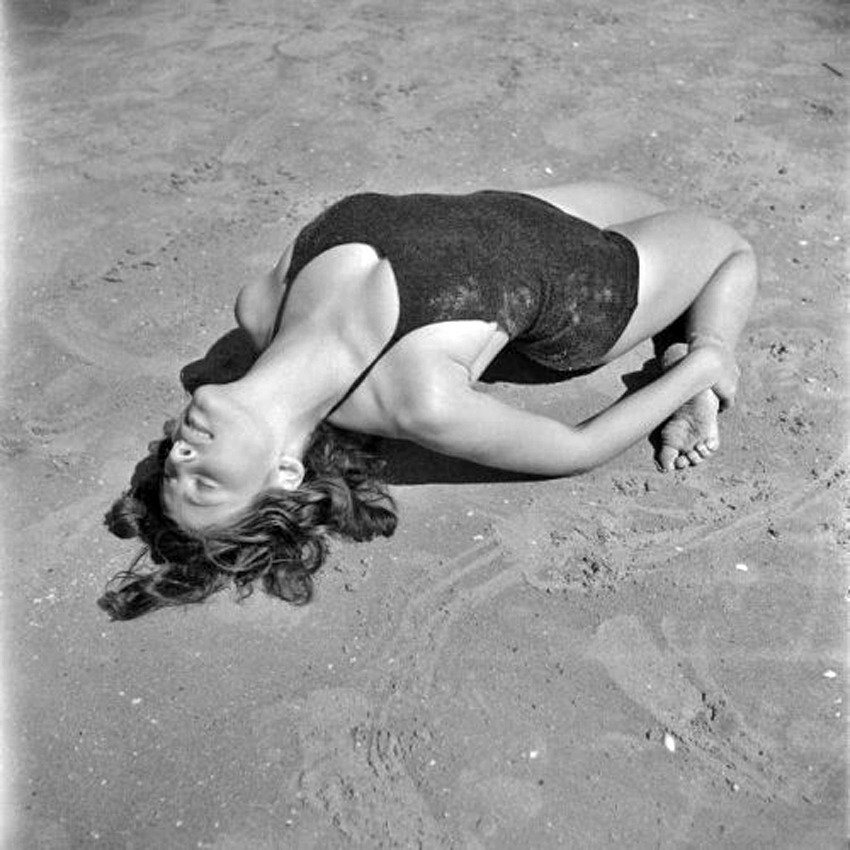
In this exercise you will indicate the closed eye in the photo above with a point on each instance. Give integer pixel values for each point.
(203, 493)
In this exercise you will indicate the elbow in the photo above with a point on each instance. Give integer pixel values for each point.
(575, 467)
(586, 453)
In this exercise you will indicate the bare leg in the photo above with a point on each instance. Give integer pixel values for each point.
(697, 284)
(601, 203)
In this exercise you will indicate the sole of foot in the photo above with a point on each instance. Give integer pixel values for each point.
(691, 434)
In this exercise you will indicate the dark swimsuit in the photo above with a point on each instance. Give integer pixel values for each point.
(562, 289)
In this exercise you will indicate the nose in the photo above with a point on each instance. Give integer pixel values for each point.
(181, 451)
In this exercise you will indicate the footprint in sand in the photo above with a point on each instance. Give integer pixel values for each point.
(498, 801)
(354, 774)
(78, 336)
(703, 722)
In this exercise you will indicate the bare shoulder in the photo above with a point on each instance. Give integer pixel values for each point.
(419, 376)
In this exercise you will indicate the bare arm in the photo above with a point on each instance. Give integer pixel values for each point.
(471, 425)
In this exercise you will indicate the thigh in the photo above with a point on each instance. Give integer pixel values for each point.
(600, 203)
(679, 252)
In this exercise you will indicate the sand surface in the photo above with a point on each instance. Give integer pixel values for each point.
(623, 659)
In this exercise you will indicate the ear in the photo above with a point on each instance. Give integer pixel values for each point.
(290, 473)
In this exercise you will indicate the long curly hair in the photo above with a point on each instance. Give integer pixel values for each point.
(280, 540)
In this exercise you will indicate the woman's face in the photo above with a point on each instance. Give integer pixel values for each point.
(221, 459)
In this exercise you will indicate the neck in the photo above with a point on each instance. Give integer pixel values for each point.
(292, 388)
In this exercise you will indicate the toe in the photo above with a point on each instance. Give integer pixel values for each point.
(681, 462)
(694, 457)
(667, 458)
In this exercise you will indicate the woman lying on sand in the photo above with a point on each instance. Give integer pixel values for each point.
(378, 319)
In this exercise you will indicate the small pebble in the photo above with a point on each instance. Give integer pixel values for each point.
(830, 674)
(670, 742)
(742, 567)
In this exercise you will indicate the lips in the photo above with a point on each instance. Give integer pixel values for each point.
(194, 427)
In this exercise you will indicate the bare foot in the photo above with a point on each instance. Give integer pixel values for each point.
(690, 435)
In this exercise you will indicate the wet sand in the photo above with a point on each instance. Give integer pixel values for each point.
(623, 659)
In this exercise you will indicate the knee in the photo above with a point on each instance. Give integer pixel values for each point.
(740, 246)
(743, 256)
(727, 238)
(733, 250)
